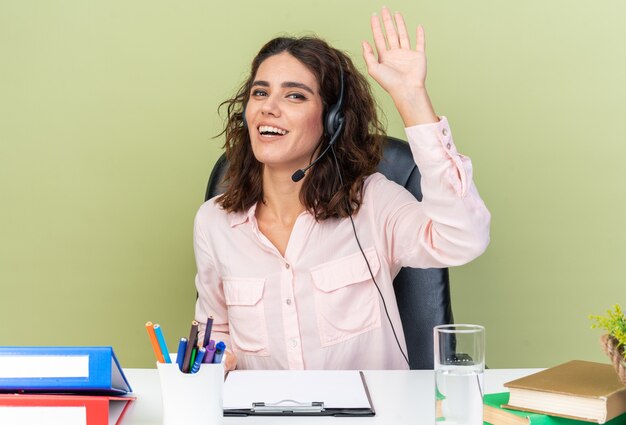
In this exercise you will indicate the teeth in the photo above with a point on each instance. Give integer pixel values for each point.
(269, 129)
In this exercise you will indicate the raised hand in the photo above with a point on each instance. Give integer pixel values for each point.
(399, 69)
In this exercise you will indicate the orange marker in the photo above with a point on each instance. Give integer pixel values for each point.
(155, 343)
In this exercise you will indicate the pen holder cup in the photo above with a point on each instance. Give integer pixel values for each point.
(192, 398)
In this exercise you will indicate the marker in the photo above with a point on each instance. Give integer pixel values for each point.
(162, 344)
(180, 357)
(199, 358)
(219, 352)
(210, 352)
(154, 342)
(192, 361)
(207, 331)
(192, 341)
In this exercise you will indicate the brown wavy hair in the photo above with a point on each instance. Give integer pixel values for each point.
(359, 148)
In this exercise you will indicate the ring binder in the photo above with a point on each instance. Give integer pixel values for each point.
(61, 369)
(288, 406)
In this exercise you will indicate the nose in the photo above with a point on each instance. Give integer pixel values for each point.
(271, 106)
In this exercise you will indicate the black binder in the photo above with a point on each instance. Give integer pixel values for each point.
(326, 401)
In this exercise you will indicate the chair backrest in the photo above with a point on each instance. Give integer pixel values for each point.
(423, 295)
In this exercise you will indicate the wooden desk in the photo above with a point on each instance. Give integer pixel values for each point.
(399, 397)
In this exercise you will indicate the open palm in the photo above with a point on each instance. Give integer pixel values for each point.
(398, 67)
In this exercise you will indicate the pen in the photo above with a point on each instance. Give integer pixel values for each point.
(182, 346)
(210, 352)
(192, 360)
(207, 331)
(219, 352)
(191, 343)
(199, 358)
(162, 344)
(154, 342)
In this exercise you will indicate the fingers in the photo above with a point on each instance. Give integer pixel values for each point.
(379, 37)
(403, 35)
(390, 30)
(395, 34)
(420, 45)
(368, 55)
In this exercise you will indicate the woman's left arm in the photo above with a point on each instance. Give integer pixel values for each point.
(451, 224)
(399, 69)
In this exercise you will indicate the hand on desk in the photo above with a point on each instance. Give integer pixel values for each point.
(230, 361)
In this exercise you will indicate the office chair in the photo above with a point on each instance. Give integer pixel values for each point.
(423, 295)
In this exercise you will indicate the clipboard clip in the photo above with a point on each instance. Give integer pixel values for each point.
(288, 406)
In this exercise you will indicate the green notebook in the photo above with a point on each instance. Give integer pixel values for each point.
(496, 415)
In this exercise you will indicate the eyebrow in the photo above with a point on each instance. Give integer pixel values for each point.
(286, 84)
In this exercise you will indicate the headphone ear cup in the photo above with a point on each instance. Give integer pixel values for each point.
(334, 118)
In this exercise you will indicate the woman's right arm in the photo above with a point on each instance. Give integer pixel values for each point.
(211, 300)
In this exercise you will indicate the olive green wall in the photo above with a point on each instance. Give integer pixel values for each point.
(108, 109)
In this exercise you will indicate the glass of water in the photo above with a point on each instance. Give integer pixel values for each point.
(459, 353)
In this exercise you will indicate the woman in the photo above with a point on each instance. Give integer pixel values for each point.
(279, 268)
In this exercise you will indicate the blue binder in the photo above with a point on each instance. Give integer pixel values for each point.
(62, 369)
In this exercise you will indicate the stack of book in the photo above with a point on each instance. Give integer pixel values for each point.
(573, 393)
(62, 386)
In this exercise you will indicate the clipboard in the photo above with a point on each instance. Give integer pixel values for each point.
(297, 393)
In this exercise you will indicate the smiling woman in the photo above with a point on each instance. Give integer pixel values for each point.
(285, 109)
(293, 82)
(278, 266)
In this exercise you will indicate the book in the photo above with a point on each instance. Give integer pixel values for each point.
(57, 409)
(61, 369)
(578, 389)
(495, 414)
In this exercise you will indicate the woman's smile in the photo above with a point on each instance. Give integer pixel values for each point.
(271, 132)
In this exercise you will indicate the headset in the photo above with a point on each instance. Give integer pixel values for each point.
(333, 125)
(334, 118)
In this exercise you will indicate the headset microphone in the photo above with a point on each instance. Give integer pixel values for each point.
(299, 174)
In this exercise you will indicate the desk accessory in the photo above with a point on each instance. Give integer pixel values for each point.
(161, 340)
(207, 331)
(210, 352)
(296, 393)
(190, 398)
(57, 409)
(577, 389)
(192, 343)
(182, 347)
(154, 342)
(220, 348)
(61, 369)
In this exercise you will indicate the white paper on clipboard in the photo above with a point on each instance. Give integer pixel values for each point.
(337, 389)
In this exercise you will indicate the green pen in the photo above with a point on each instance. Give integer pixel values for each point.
(194, 351)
